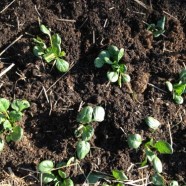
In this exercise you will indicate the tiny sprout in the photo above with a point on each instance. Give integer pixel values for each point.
(112, 57)
(89, 114)
(152, 122)
(98, 114)
(134, 141)
(173, 183)
(157, 29)
(179, 88)
(157, 179)
(85, 131)
(157, 165)
(53, 52)
(10, 115)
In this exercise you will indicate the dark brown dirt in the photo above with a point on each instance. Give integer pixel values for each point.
(49, 127)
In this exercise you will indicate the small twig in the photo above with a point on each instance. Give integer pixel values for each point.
(45, 94)
(67, 20)
(169, 15)
(80, 106)
(141, 4)
(11, 44)
(105, 23)
(7, 6)
(170, 134)
(37, 11)
(6, 70)
(157, 87)
(144, 167)
(93, 37)
(83, 23)
(131, 166)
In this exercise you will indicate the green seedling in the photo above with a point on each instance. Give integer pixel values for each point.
(49, 173)
(178, 89)
(134, 141)
(157, 29)
(152, 122)
(112, 57)
(173, 183)
(85, 131)
(157, 180)
(53, 53)
(10, 115)
(117, 178)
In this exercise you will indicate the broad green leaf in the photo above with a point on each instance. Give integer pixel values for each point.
(163, 147)
(47, 177)
(112, 76)
(119, 175)
(4, 105)
(45, 30)
(85, 115)
(157, 165)
(17, 133)
(2, 118)
(178, 99)
(38, 51)
(161, 23)
(72, 159)
(49, 56)
(120, 184)
(46, 166)
(1, 144)
(56, 40)
(134, 141)
(173, 183)
(108, 61)
(183, 76)
(98, 114)
(122, 68)
(169, 86)
(120, 54)
(113, 51)
(15, 116)
(88, 132)
(104, 54)
(125, 78)
(83, 148)
(179, 88)
(67, 182)
(20, 105)
(98, 62)
(152, 122)
(150, 155)
(62, 65)
(7, 125)
(62, 174)
(157, 180)
(94, 177)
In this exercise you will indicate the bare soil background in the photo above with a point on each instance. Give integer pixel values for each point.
(49, 126)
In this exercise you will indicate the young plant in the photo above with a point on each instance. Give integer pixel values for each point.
(112, 57)
(56, 175)
(151, 148)
(157, 29)
(53, 53)
(178, 89)
(85, 131)
(10, 115)
(117, 178)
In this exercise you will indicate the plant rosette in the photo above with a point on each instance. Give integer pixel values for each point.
(53, 53)
(10, 115)
(112, 57)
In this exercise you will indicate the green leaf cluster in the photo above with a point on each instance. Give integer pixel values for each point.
(85, 131)
(53, 52)
(10, 114)
(178, 89)
(50, 174)
(112, 57)
(159, 28)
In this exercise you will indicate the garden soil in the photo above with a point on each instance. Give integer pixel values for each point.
(86, 28)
